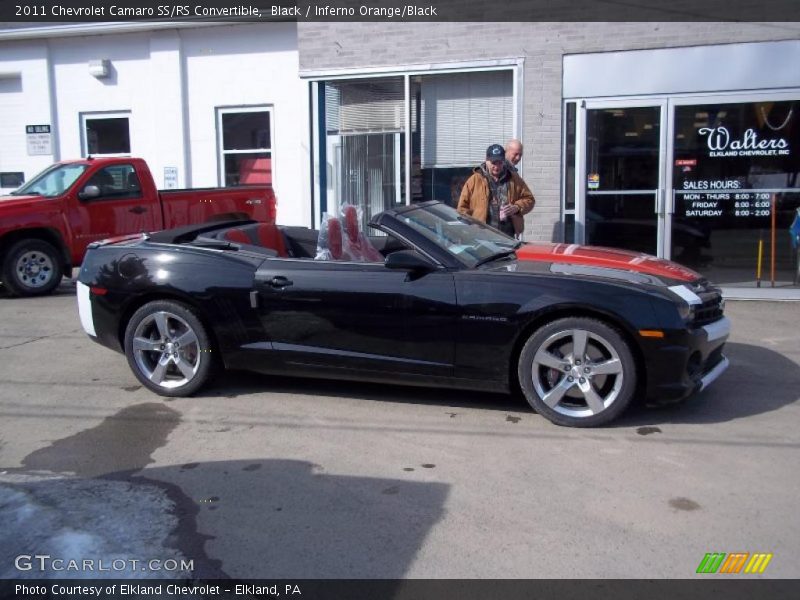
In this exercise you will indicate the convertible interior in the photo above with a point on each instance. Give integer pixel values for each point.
(332, 242)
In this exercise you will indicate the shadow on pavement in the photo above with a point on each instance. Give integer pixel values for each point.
(236, 383)
(757, 381)
(65, 288)
(277, 518)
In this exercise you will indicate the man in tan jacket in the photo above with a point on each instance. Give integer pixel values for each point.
(496, 195)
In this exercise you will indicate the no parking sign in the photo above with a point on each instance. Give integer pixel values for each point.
(39, 140)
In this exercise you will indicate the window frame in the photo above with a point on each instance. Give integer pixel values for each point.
(91, 115)
(318, 77)
(9, 175)
(219, 113)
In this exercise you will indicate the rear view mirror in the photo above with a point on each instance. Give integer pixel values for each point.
(89, 192)
(408, 260)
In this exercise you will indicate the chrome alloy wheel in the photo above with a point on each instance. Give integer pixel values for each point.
(34, 269)
(577, 373)
(166, 350)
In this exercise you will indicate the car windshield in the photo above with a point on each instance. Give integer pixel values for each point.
(53, 181)
(470, 241)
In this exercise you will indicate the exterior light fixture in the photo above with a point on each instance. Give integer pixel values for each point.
(99, 68)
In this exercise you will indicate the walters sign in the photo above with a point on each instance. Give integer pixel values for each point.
(722, 143)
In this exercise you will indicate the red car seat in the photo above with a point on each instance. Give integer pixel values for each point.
(356, 243)
(270, 236)
(266, 235)
(335, 242)
(350, 219)
(237, 236)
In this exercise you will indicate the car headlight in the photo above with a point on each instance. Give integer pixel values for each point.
(687, 303)
(686, 311)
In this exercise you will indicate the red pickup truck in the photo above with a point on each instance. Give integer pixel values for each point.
(46, 225)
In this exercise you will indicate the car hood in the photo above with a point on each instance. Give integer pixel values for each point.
(15, 201)
(610, 258)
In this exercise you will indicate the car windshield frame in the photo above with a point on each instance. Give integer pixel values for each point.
(470, 242)
(53, 181)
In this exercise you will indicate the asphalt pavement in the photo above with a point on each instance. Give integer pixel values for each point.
(270, 477)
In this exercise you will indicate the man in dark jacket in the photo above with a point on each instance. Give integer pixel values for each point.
(496, 195)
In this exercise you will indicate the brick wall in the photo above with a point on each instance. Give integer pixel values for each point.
(543, 45)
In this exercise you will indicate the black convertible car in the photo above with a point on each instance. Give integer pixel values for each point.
(435, 299)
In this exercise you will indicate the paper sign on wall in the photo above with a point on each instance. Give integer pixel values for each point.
(170, 178)
(39, 140)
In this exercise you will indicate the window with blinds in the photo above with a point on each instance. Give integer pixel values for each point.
(464, 113)
(365, 106)
(453, 118)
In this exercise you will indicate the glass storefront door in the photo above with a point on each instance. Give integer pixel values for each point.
(623, 175)
(372, 172)
(364, 144)
(710, 182)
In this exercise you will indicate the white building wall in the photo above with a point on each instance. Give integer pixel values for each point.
(24, 100)
(171, 82)
(230, 70)
(168, 107)
(126, 89)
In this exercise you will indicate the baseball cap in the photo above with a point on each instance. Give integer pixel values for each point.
(495, 152)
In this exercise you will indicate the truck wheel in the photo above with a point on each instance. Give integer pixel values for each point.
(32, 268)
(577, 372)
(168, 349)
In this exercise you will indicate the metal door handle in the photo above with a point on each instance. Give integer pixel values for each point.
(137, 210)
(280, 282)
(659, 202)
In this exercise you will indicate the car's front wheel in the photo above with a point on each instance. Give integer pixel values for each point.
(577, 372)
(169, 349)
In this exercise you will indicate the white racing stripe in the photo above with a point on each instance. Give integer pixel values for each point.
(85, 309)
(685, 293)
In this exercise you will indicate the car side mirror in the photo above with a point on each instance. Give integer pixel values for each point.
(89, 192)
(408, 260)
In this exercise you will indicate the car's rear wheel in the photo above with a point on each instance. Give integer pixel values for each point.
(32, 268)
(577, 372)
(169, 349)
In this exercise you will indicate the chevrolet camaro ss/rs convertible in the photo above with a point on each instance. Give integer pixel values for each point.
(435, 298)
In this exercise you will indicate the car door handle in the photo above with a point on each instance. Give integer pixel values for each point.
(280, 282)
(137, 210)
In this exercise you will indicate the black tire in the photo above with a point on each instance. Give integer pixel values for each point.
(32, 268)
(577, 391)
(168, 349)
